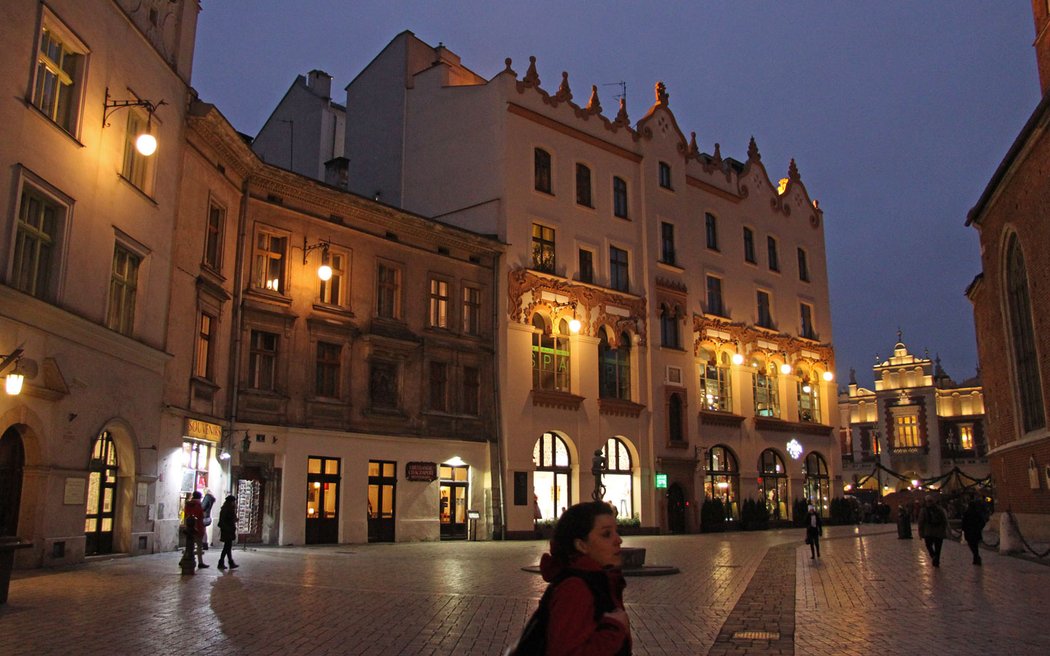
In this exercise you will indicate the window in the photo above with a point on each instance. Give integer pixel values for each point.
(618, 278)
(773, 483)
(614, 368)
(550, 356)
(388, 291)
(550, 480)
(906, 432)
(714, 296)
(667, 243)
(328, 361)
(330, 292)
(618, 477)
(765, 387)
(138, 168)
(439, 386)
(59, 75)
(711, 224)
(471, 390)
(270, 254)
(471, 310)
(669, 327)
(1028, 389)
(619, 198)
(749, 246)
(542, 248)
(202, 365)
(438, 303)
(803, 267)
(213, 236)
(383, 385)
(665, 175)
(808, 399)
(583, 186)
(586, 266)
(816, 483)
(36, 243)
(771, 251)
(262, 361)
(122, 286)
(806, 315)
(715, 385)
(966, 437)
(675, 418)
(765, 315)
(542, 170)
(722, 480)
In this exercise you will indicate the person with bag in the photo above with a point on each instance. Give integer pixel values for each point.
(581, 612)
(933, 528)
(207, 501)
(228, 530)
(193, 509)
(814, 529)
(973, 521)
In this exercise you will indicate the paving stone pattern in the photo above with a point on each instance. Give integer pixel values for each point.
(869, 594)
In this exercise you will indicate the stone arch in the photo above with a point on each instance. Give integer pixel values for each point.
(126, 443)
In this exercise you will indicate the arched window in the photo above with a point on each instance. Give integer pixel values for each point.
(101, 496)
(766, 388)
(723, 479)
(675, 418)
(1029, 392)
(808, 398)
(614, 368)
(550, 481)
(619, 477)
(816, 482)
(773, 483)
(715, 388)
(550, 356)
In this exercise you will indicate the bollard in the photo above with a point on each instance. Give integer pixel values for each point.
(1009, 535)
(189, 558)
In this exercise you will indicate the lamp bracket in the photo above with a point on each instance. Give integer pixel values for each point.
(12, 358)
(113, 105)
(324, 245)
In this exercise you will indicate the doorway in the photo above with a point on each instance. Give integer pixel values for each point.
(676, 508)
(453, 504)
(382, 488)
(249, 505)
(101, 497)
(12, 461)
(322, 500)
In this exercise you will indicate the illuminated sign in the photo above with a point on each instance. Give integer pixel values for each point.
(661, 480)
(794, 449)
(421, 471)
(202, 430)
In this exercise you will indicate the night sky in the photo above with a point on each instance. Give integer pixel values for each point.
(897, 112)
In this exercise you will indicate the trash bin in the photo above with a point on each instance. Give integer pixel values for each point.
(8, 544)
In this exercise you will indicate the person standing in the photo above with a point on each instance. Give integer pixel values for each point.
(814, 529)
(903, 522)
(973, 521)
(207, 501)
(933, 528)
(194, 510)
(228, 531)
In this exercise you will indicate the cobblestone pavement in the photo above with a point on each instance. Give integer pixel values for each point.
(869, 594)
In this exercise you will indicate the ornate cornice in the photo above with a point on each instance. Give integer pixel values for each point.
(555, 399)
(747, 338)
(712, 418)
(782, 426)
(620, 407)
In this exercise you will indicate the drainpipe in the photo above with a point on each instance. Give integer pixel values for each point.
(498, 415)
(235, 337)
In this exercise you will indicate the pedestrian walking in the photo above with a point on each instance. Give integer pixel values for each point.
(228, 531)
(196, 532)
(207, 501)
(973, 521)
(814, 529)
(933, 528)
(903, 523)
(582, 610)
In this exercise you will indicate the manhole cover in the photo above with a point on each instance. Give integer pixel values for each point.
(756, 635)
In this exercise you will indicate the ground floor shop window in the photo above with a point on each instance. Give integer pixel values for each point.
(101, 496)
(817, 483)
(195, 459)
(723, 479)
(454, 491)
(551, 478)
(322, 500)
(382, 500)
(619, 477)
(773, 484)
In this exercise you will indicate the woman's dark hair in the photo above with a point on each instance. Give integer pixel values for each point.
(575, 523)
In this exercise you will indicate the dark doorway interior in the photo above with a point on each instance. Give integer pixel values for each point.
(12, 460)
(382, 506)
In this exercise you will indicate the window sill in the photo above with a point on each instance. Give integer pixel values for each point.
(624, 218)
(620, 407)
(556, 399)
(720, 418)
(139, 190)
(670, 266)
(334, 309)
(66, 133)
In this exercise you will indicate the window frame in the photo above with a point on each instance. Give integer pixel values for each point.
(214, 234)
(472, 301)
(388, 290)
(589, 269)
(584, 186)
(137, 169)
(544, 250)
(749, 246)
(614, 367)
(71, 122)
(558, 376)
(264, 348)
(439, 294)
(263, 259)
(664, 176)
(437, 378)
(543, 171)
(1020, 331)
(333, 292)
(711, 231)
(121, 303)
(621, 209)
(619, 269)
(328, 357)
(772, 255)
(715, 304)
(670, 335)
(204, 347)
(716, 386)
(764, 311)
(667, 246)
(806, 327)
(803, 265)
(53, 261)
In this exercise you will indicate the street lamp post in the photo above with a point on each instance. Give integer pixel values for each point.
(597, 469)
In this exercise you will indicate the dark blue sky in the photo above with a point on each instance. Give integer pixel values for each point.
(897, 112)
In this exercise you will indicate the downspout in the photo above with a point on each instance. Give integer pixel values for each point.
(235, 338)
(498, 415)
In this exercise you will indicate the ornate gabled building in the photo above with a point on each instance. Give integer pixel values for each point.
(661, 305)
(917, 422)
(1011, 305)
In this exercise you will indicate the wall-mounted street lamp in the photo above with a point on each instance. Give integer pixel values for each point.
(145, 143)
(13, 381)
(324, 272)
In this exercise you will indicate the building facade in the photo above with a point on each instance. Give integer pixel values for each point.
(86, 267)
(917, 422)
(664, 307)
(351, 407)
(1012, 313)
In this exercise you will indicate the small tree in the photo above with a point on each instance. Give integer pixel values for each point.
(712, 516)
(799, 509)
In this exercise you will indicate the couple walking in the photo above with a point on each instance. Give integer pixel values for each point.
(227, 528)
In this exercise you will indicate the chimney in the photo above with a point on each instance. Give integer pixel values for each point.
(320, 83)
(1041, 13)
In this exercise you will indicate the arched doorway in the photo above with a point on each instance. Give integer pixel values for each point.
(100, 512)
(550, 481)
(816, 482)
(723, 479)
(773, 484)
(675, 508)
(618, 477)
(12, 461)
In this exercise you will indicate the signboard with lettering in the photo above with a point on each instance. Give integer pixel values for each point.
(661, 481)
(203, 430)
(421, 471)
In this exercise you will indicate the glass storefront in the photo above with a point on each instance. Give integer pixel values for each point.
(773, 484)
(722, 480)
(551, 477)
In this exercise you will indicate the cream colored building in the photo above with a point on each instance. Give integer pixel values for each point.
(699, 283)
(917, 422)
(86, 266)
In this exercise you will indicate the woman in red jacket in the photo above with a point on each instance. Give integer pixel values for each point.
(587, 615)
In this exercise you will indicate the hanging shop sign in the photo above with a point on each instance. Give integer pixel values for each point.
(421, 471)
(661, 481)
(794, 449)
(203, 430)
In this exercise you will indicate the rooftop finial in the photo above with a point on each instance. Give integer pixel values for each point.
(564, 92)
(793, 171)
(594, 106)
(621, 116)
(694, 150)
(661, 93)
(508, 69)
(717, 157)
(752, 152)
(531, 76)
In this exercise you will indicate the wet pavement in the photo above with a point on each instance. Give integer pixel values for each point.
(737, 593)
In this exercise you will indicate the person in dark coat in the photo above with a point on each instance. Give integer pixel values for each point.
(228, 531)
(903, 523)
(973, 521)
(207, 501)
(194, 510)
(814, 529)
(933, 528)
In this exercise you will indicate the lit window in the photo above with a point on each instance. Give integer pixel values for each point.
(906, 432)
(966, 437)
(550, 356)
(715, 387)
(270, 254)
(614, 368)
(122, 288)
(138, 168)
(331, 291)
(471, 310)
(438, 303)
(808, 400)
(202, 367)
(543, 248)
(766, 389)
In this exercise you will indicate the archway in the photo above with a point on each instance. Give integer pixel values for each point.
(551, 478)
(12, 461)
